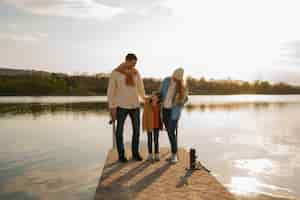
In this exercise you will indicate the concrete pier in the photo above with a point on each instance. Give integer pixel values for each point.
(157, 180)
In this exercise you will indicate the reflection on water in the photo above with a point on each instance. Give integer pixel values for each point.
(44, 108)
(38, 108)
(54, 147)
(235, 106)
(248, 185)
(256, 166)
(242, 185)
(52, 156)
(52, 99)
(71, 183)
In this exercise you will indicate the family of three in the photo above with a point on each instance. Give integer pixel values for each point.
(162, 108)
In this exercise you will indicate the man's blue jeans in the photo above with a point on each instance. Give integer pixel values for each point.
(171, 128)
(135, 121)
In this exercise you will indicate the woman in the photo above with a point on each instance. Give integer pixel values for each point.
(173, 93)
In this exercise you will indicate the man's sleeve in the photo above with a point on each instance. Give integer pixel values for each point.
(111, 91)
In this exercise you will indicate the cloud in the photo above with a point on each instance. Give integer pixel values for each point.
(292, 49)
(140, 7)
(290, 53)
(15, 32)
(67, 8)
(130, 4)
(27, 38)
(12, 26)
(95, 9)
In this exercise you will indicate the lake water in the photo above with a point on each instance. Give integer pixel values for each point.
(55, 147)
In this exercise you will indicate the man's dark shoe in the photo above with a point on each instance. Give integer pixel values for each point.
(123, 159)
(137, 158)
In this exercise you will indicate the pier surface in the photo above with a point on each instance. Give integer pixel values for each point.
(157, 180)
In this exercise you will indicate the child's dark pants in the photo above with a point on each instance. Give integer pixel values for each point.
(153, 135)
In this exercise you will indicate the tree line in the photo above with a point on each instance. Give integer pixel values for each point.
(203, 86)
(56, 84)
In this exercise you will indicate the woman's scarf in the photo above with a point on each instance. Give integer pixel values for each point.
(129, 74)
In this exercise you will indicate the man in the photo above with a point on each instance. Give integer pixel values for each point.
(124, 89)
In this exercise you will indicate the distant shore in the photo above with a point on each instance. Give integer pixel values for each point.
(15, 82)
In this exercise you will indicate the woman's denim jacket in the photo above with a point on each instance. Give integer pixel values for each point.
(176, 108)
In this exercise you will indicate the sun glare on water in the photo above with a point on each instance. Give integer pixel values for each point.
(256, 166)
(253, 186)
(244, 185)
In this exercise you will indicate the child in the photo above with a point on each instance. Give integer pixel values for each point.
(152, 124)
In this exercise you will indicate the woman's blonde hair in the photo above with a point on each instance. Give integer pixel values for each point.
(180, 88)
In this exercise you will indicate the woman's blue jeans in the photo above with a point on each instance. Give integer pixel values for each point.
(171, 126)
(134, 115)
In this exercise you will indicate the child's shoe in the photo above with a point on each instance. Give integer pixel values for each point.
(150, 157)
(156, 157)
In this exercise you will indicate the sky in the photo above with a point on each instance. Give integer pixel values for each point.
(240, 39)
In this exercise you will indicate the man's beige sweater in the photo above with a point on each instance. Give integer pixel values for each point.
(121, 95)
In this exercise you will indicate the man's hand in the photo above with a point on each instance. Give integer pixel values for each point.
(113, 114)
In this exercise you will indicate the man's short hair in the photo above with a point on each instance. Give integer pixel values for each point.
(130, 57)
